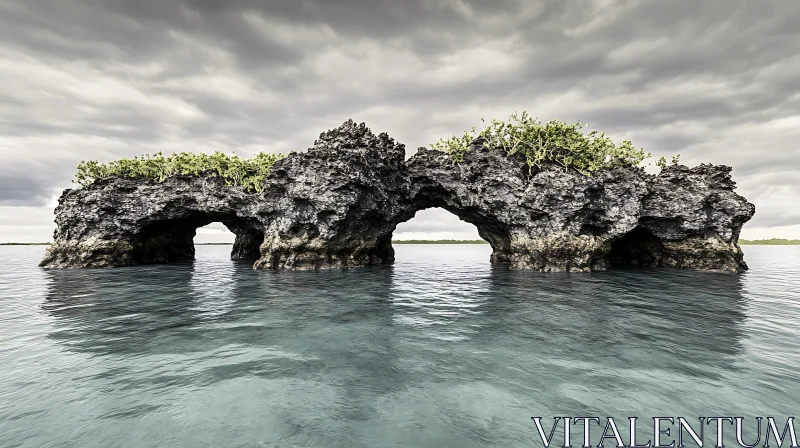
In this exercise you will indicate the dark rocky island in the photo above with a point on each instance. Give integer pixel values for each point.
(337, 204)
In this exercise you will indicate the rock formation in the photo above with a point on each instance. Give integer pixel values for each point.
(337, 204)
(123, 221)
(552, 219)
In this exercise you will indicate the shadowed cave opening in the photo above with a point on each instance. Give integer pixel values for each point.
(639, 247)
(173, 240)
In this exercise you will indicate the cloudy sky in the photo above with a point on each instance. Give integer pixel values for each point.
(716, 81)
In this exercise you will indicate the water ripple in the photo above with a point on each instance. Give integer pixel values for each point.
(441, 349)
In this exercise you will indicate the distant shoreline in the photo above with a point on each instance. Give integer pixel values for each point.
(769, 242)
(25, 244)
(229, 244)
(439, 242)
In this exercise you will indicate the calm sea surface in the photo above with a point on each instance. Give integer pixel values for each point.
(439, 350)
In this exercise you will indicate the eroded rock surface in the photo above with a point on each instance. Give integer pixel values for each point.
(552, 219)
(123, 221)
(337, 204)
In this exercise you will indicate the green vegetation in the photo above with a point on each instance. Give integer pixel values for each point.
(770, 242)
(662, 162)
(522, 136)
(247, 173)
(556, 142)
(439, 242)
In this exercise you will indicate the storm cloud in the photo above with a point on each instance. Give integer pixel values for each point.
(715, 81)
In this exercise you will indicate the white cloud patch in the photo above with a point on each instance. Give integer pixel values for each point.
(214, 233)
(93, 79)
(435, 224)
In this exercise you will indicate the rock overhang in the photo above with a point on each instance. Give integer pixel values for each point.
(337, 204)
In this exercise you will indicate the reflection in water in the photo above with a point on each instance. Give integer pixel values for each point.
(213, 288)
(621, 316)
(440, 349)
(443, 301)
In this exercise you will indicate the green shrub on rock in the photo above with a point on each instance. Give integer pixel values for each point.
(662, 162)
(247, 173)
(555, 142)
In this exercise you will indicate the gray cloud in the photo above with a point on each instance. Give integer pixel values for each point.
(29, 183)
(435, 223)
(714, 80)
(20, 189)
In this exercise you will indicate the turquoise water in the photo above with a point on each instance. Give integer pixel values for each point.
(438, 350)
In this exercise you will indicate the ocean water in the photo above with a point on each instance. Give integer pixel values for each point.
(440, 350)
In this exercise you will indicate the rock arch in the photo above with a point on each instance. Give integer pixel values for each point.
(124, 222)
(489, 227)
(337, 204)
(171, 240)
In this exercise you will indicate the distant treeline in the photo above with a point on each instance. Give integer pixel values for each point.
(24, 244)
(439, 242)
(770, 242)
(228, 244)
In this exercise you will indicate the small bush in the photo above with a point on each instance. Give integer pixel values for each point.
(247, 173)
(556, 142)
(662, 162)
